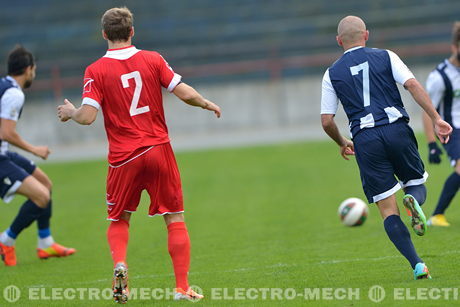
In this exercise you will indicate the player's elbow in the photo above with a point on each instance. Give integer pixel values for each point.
(7, 136)
(411, 84)
(327, 121)
(86, 121)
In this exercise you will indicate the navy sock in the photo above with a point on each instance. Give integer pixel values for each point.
(28, 213)
(448, 192)
(43, 222)
(418, 191)
(399, 235)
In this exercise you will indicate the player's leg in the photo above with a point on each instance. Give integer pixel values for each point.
(179, 250)
(165, 192)
(118, 236)
(451, 186)
(38, 198)
(409, 168)
(124, 187)
(398, 234)
(46, 246)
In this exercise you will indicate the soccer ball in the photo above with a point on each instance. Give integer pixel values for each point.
(353, 212)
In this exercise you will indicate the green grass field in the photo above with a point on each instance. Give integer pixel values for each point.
(261, 217)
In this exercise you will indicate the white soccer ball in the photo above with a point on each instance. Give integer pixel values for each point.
(353, 212)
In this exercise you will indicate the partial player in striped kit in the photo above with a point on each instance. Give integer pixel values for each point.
(443, 85)
(19, 175)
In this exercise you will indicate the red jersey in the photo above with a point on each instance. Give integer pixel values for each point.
(126, 84)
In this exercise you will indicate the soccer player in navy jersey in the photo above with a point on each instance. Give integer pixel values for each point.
(364, 81)
(19, 175)
(443, 86)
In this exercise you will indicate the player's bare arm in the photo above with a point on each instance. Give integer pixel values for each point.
(330, 127)
(428, 128)
(9, 134)
(441, 128)
(84, 115)
(190, 96)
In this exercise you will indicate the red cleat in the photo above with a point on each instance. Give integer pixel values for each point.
(8, 255)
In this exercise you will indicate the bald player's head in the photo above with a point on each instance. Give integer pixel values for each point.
(351, 31)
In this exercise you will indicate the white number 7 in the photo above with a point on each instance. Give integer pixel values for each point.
(365, 68)
(134, 110)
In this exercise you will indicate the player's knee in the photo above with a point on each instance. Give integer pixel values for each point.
(42, 198)
(457, 167)
(173, 218)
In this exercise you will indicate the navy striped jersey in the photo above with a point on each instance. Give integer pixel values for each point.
(364, 80)
(443, 86)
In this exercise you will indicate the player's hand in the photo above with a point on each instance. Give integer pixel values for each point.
(443, 130)
(434, 153)
(65, 111)
(42, 152)
(211, 106)
(347, 149)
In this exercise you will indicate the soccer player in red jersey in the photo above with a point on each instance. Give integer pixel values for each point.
(126, 84)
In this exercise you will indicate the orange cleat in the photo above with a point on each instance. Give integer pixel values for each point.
(190, 295)
(8, 255)
(55, 250)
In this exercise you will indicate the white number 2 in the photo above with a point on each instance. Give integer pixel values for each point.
(355, 71)
(134, 110)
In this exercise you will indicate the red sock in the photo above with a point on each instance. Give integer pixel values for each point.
(118, 236)
(179, 249)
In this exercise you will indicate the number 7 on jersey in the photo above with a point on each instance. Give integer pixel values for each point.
(355, 71)
(134, 110)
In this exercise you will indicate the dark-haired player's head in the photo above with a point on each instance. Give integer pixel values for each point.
(456, 40)
(21, 63)
(117, 24)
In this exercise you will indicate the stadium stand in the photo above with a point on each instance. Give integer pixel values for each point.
(213, 41)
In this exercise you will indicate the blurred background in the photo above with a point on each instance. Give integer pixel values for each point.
(261, 60)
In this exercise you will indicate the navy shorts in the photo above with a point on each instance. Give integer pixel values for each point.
(453, 147)
(14, 168)
(386, 154)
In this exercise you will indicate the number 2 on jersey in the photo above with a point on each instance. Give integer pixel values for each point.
(134, 110)
(355, 71)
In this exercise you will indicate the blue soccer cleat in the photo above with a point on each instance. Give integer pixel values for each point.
(421, 271)
(418, 219)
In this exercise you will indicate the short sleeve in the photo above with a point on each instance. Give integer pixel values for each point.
(92, 94)
(401, 73)
(435, 87)
(168, 78)
(329, 100)
(12, 102)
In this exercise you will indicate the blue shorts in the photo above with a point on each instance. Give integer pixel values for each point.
(14, 168)
(453, 147)
(384, 153)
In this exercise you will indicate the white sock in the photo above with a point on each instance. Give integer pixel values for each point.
(6, 239)
(45, 242)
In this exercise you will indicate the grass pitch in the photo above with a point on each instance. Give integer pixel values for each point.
(262, 217)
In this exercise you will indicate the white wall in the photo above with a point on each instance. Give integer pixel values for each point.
(253, 113)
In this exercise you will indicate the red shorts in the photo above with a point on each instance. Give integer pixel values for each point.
(153, 169)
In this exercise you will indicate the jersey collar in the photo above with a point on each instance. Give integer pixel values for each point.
(15, 84)
(353, 49)
(449, 64)
(121, 53)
